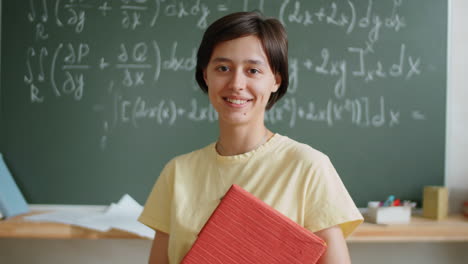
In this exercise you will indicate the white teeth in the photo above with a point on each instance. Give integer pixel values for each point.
(236, 101)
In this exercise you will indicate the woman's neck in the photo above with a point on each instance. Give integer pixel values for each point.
(241, 139)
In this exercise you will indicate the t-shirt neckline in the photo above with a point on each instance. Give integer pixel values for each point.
(246, 156)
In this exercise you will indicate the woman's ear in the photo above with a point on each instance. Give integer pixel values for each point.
(204, 75)
(277, 83)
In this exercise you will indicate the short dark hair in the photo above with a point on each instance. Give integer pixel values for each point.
(271, 34)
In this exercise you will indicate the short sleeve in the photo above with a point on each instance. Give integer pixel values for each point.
(328, 202)
(157, 211)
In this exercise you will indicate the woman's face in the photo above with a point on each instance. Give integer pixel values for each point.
(240, 80)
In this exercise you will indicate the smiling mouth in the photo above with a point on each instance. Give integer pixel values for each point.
(236, 101)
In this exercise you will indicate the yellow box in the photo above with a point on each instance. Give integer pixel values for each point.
(435, 202)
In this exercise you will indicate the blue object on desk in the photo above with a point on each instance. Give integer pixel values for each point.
(389, 201)
(11, 200)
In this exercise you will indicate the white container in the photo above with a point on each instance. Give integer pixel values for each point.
(389, 215)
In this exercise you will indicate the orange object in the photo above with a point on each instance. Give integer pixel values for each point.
(244, 229)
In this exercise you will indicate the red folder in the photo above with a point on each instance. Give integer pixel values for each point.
(244, 229)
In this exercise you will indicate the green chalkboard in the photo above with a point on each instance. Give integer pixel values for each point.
(96, 96)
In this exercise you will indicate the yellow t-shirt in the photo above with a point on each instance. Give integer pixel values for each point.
(293, 178)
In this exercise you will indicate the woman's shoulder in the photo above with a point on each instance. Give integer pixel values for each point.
(295, 150)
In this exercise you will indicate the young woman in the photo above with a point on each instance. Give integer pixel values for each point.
(242, 63)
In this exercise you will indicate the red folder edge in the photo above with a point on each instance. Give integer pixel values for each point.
(207, 256)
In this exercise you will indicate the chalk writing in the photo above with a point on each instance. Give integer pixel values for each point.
(132, 78)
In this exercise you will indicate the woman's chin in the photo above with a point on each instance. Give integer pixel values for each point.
(235, 119)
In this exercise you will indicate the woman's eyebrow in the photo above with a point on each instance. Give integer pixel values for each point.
(249, 61)
(257, 62)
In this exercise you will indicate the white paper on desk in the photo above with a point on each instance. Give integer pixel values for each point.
(87, 222)
(103, 221)
(123, 216)
(66, 217)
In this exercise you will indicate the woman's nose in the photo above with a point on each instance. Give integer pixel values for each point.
(238, 80)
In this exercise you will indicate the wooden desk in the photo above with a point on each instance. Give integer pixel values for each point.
(17, 227)
(452, 229)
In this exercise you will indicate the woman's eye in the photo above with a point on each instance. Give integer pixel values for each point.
(223, 68)
(254, 71)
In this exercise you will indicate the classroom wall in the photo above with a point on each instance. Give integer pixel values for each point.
(135, 251)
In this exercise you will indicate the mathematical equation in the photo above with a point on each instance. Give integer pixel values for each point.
(58, 68)
(145, 13)
(66, 68)
(361, 112)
